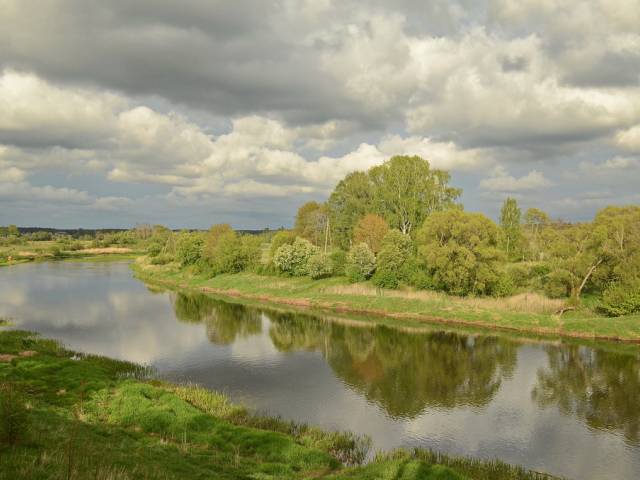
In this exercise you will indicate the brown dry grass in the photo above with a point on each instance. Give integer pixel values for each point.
(94, 251)
(522, 302)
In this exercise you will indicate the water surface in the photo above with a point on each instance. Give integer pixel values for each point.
(564, 408)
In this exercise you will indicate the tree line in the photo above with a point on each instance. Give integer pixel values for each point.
(401, 224)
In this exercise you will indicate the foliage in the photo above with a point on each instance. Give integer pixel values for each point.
(361, 263)
(279, 239)
(350, 200)
(621, 299)
(338, 261)
(213, 237)
(396, 251)
(189, 248)
(320, 265)
(460, 252)
(293, 259)
(311, 222)
(406, 191)
(510, 224)
(371, 229)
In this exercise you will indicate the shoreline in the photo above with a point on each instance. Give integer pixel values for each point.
(227, 286)
(90, 414)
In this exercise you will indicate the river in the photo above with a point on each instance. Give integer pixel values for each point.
(563, 407)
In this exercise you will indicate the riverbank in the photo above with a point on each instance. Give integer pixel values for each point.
(523, 313)
(69, 415)
(89, 255)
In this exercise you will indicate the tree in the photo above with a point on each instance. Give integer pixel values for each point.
(510, 224)
(535, 221)
(350, 200)
(406, 191)
(212, 238)
(397, 248)
(371, 229)
(12, 230)
(227, 252)
(189, 248)
(460, 251)
(361, 263)
(575, 253)
(293, 259)
(311, 222)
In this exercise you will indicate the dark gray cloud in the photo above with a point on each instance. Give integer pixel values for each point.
(253, 106)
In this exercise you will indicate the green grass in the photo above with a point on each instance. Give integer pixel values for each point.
(79, 416)
(335, 294)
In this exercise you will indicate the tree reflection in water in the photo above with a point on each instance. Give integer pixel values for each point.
(224, 322)
(402, 372)
(406, 372)
(600, 387)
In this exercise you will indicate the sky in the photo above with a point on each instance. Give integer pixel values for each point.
(191, 113)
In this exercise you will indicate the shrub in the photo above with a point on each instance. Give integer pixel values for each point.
(319, 266)
(621, 299)
(385, 279)
(339, 261)
(504, 286)
(283, 237)
(293, 259)
(154, 249)
(234, 254)
(361, 263)
(394, 262)
(161, 259)
(14, 419)
(189, 248)
(557, 284)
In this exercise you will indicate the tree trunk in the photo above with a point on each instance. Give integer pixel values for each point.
(578, 291)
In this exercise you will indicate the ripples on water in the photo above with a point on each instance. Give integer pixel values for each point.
(565, 408)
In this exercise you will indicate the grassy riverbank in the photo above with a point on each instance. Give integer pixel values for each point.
(71, 416)
(55, 251)
(523, 313)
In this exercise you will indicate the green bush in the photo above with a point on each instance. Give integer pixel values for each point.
(339, 261)
(293, 259)
(361, 263)
(385, 279)
(621, 299)
(161, 259)
(228, 252)
(189, 248)
(154, 249)
(394, 261)
(283, 237)
(319, 266)
(504, 286)
(557, 284)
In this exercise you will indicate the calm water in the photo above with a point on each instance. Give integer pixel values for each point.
(563, 408)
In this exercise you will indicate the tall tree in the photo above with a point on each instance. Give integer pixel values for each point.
(350, 200)
(371, 229)
(535, 220)
(510, 223)
(311, 222)
(406, 190)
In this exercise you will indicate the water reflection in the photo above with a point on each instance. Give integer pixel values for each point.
(403, 373)
(598, 386)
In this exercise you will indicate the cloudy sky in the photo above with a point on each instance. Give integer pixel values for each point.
(196, 112)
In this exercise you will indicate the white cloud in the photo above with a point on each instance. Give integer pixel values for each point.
(629, 139)
(502, 182)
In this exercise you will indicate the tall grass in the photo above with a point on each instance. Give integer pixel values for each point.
(474, 468)
(14, 414)
(520, 303)
(347, 447)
